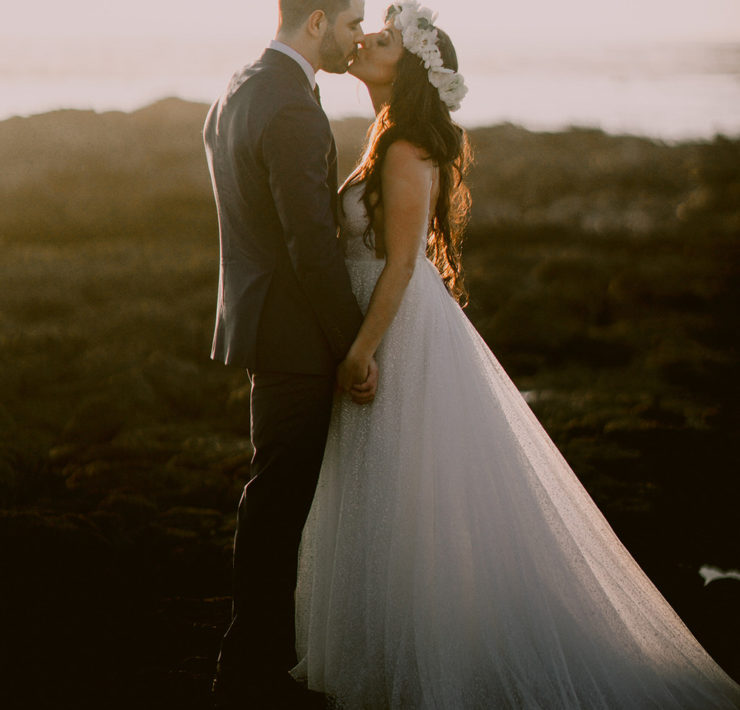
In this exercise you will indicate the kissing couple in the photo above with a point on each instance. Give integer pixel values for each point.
(410, 536)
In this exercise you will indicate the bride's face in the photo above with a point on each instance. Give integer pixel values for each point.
(377, 57)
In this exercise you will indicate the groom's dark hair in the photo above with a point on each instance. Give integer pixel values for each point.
(294, 12)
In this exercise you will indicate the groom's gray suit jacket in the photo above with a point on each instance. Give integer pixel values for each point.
(285, 302)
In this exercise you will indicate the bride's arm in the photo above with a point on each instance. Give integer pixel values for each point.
(406, 180)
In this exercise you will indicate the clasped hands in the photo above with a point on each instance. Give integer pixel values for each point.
(357, 375)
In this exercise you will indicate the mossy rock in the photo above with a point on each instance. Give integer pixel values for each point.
(177, 381)
(134, 509)
(202, 521)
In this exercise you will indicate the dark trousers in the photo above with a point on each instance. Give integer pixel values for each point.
(290, 419)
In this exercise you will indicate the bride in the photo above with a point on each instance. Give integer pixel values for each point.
(451, 559)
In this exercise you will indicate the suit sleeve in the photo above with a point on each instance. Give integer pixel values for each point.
(295, 147)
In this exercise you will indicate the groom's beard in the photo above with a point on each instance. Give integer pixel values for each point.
(331, 56)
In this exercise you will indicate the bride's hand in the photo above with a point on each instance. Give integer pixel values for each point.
(358, 376)
(364, 393)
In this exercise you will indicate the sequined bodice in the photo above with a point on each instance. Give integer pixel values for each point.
(353, 224)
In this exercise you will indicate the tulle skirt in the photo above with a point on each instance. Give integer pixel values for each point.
(452, 559)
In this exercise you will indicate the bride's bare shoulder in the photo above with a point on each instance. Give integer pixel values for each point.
(407, 158)
(402, 149)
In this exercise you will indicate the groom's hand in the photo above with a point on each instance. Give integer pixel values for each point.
(364, 393)
(358, 376)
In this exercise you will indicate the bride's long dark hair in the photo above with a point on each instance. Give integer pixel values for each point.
(416, 114)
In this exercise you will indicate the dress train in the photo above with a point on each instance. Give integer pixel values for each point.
(453, 561)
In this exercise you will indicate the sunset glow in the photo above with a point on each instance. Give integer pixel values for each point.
(653, 67)
(525, 20)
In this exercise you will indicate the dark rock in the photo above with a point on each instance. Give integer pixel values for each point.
(719, 628)
(238, 406)
(136, 510)
(98, 418)
(125, 400)
(8, 425)
(24, 475)
(213, 450)
(202, 521)
(178, 382)
(99, 478)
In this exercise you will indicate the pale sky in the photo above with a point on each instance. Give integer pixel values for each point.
(641, 66)
(518, 20)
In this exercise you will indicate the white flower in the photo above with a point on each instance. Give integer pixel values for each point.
(440, 76)
(427, 41)
(412, 37)
(433, 60)
(426, 14)
(406, 18)
(419, 37)
(454, 92)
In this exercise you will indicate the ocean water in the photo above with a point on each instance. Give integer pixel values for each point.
(670, 91)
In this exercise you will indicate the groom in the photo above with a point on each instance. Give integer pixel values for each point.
(286, 312)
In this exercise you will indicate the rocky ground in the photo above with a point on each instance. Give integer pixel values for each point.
(603, 273)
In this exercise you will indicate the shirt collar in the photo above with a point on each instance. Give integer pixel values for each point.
(302, 61)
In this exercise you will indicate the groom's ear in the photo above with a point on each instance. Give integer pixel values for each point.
(317, 24)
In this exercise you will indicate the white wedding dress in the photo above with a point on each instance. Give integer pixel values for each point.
(453, 561)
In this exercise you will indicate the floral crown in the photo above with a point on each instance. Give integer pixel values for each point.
(419, 36)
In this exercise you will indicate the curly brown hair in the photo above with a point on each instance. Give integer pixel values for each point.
(416, 114)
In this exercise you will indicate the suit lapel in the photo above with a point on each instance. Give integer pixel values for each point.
(285, 63)
(332, 177)
(271, 57)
